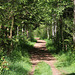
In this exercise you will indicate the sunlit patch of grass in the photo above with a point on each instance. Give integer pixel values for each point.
(19, 59)
(66, 62)
(18, 68)
(70, 69)
(66, 59)
(43, 69)
(46, 40)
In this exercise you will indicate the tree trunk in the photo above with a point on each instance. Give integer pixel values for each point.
(55, 29)
(74, 26)
(22, 30)
(27, 34)
(48, 34)
(11, 30)
(17, 31)
(52, 29)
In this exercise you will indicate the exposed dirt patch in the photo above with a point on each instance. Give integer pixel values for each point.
(39, 54)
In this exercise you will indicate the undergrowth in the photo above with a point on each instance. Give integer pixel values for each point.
(66, 62)
(42, 69)
(18, 61)
(50, 46)
(66, 59)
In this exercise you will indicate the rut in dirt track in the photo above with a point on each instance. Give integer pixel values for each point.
(39, 54)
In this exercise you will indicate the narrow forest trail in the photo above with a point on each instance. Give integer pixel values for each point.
(41, 54)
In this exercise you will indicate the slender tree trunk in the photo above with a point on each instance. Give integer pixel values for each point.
(11, 30)
(62, 39)
(1, 35)
(74, 26)
(17, 31)
(48, 32)
(27, 34)
(55, 29)
(11, 33)
(22, 30)
(52, 29)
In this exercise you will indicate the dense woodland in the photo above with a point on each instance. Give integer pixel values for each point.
(22, 20)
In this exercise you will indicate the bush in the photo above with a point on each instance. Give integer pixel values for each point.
(18, 59)
(3, 65)
(50, 46)
(66, 59)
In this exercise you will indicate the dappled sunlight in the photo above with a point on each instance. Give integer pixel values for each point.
(33, 31)
(40, 53)
(41, 41)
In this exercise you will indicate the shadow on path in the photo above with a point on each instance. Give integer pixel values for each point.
(40, 53)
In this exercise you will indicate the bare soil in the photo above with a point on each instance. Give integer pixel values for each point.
(40, 53)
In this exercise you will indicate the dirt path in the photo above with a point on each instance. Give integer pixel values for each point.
(41, 54)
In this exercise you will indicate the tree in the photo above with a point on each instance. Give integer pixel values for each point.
(74, 26)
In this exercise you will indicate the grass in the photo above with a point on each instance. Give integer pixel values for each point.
(68, 70)
(18, 68)
(43, 69)
(19, 63)
(19, 59)
(66, 60)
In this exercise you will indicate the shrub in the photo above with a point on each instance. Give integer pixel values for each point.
(50, 46)
(18, 58)
(66, 59)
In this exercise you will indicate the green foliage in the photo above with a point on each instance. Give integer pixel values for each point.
(3, 65)
(43, 69)
(18, 68)
(20, 17)
(41, 32)
(19, 58)
(66, 61)
(50, 46)
(1, 53)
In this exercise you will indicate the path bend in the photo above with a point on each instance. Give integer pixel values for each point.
(40, 53)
